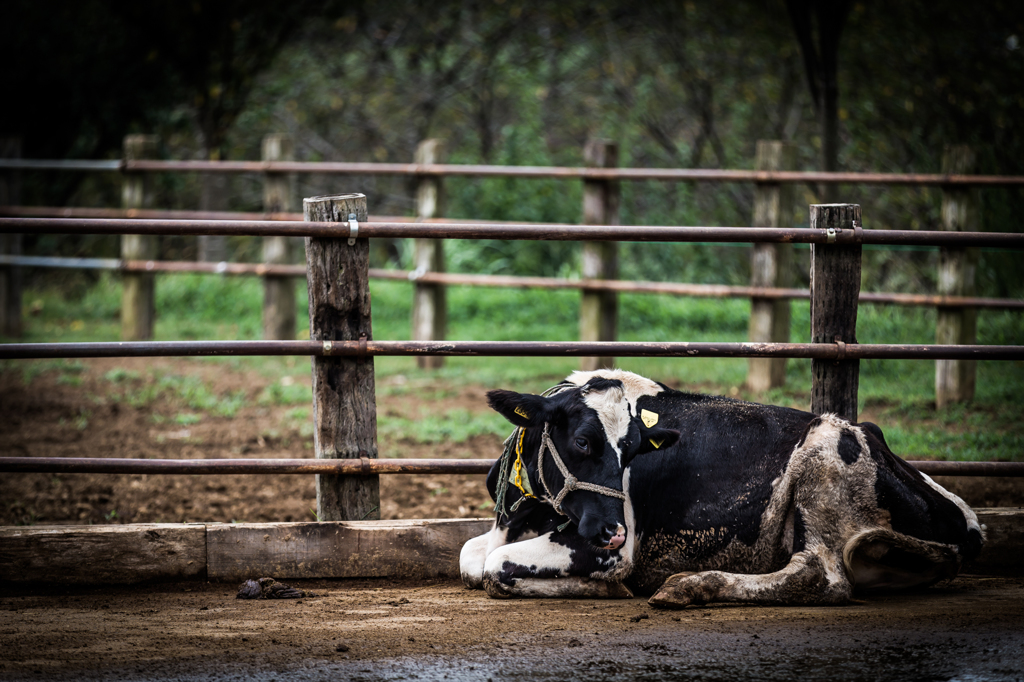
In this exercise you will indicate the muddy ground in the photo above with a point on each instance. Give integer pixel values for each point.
(969, 629)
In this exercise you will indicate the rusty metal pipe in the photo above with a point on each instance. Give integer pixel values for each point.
(821, 351)
(364, 466)
(508, 281)
(533, 231)
(483, 170)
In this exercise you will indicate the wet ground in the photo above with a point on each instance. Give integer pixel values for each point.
(969, 629)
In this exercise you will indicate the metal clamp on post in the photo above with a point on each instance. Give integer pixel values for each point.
(841, 354)
(353, 229)
(830, 235)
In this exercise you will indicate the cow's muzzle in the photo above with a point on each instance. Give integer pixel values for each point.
(617, 538)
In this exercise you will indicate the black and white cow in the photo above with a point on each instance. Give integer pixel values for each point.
(694, 499)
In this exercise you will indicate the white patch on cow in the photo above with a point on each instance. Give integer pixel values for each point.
(972, 518)
(496, 538)
(625, 564)
(616, 406)
(539, 554)
(472, 558)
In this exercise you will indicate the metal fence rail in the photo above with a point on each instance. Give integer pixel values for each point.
(507, 281)
(523, 231)
(364, 466)
(634, 349)
(482, 170)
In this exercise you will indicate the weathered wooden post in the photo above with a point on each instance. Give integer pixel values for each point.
(955, 379)
(10, 276)
(213, 197)
(835, 288)
(771, 265)
(599, 310)
(429, 306)
(344, 403)
(278, 292)
(137, 307)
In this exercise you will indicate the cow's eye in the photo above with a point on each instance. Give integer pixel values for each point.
(582, 444)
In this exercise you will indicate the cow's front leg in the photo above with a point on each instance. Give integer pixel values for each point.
(553, 565)
(471, 561)
(811, 577)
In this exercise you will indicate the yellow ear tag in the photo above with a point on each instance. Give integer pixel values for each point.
(521, 412)
(649, 418)
(657, 443)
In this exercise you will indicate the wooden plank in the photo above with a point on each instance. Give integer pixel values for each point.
(96, 555)
(1004, 542)
(771, 265)
(138, 310)
(599, 309)
(835, 289)
(429, 304)
(343, 549)
(955, 379)
(278, 292)
(10, 244)
(136, 553)
(344, 402)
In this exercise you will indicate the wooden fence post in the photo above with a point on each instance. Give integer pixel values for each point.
(10, 277)
(344, 403)
(835, 288)
(429, 306)
(137, 306)
(213, 196)
(955, 379)
(599, 310)
(278, 292)
(771, 265)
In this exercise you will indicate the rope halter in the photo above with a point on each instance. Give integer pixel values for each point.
(571, 482)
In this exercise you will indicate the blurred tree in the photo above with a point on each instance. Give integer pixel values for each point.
(818, 25)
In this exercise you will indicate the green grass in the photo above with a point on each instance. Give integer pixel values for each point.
(455, 426)
(899, 394)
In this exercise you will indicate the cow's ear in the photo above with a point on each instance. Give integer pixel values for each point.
(656, 438)
(522, 409)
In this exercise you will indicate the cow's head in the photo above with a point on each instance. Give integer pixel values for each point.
(594, 428)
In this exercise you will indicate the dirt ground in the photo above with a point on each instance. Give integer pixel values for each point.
(969, 629)
(85, 414)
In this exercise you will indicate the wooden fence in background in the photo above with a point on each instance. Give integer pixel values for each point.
(770, 288)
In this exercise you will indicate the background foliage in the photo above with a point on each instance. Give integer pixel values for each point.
(676, 84)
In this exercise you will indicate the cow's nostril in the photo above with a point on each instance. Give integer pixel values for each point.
(617, 538)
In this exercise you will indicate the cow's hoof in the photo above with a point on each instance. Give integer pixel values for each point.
(498, 590)
(684, 589)
(669, 599)
(473, 582)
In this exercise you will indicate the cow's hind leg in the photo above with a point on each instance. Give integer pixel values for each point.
(552, 565)
(882, 559)
(811, 577)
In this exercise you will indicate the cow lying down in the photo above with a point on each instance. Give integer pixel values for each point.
(613, 484)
